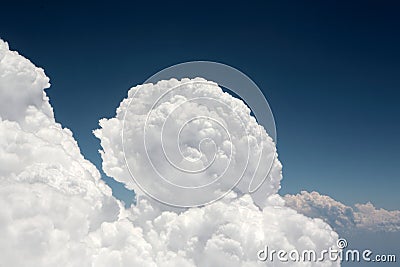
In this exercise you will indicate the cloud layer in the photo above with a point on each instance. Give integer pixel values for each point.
(56, 210)
(342, 217)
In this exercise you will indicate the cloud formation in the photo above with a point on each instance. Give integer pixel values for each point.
(342, 217)
(230, 231)
(51, 197)
(187, 143)
(56, 211)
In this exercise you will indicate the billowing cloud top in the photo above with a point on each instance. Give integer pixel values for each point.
(186, 143)
(15, 96)
(56, 211)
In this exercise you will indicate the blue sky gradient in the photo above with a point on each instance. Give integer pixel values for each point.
(329, 69)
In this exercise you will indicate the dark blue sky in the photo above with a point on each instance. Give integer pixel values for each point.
(330, 70)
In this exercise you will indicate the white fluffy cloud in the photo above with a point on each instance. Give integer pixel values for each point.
(230, 231)
(55, 209)
(16, 96)
(51, 197)
(342, 217)
(180, 134)
(225, 233)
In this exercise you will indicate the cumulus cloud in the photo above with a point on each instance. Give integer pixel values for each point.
(342, 217)
(51, 197)
(188, 133)
(230, 231)
(15, 95)
(224, 233)
(56, 210)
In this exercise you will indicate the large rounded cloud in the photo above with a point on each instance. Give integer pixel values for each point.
(56, 211)
(187, 143)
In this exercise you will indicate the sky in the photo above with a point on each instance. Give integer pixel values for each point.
(329, 70)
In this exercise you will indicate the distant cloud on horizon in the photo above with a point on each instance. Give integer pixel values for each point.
(342, 217)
